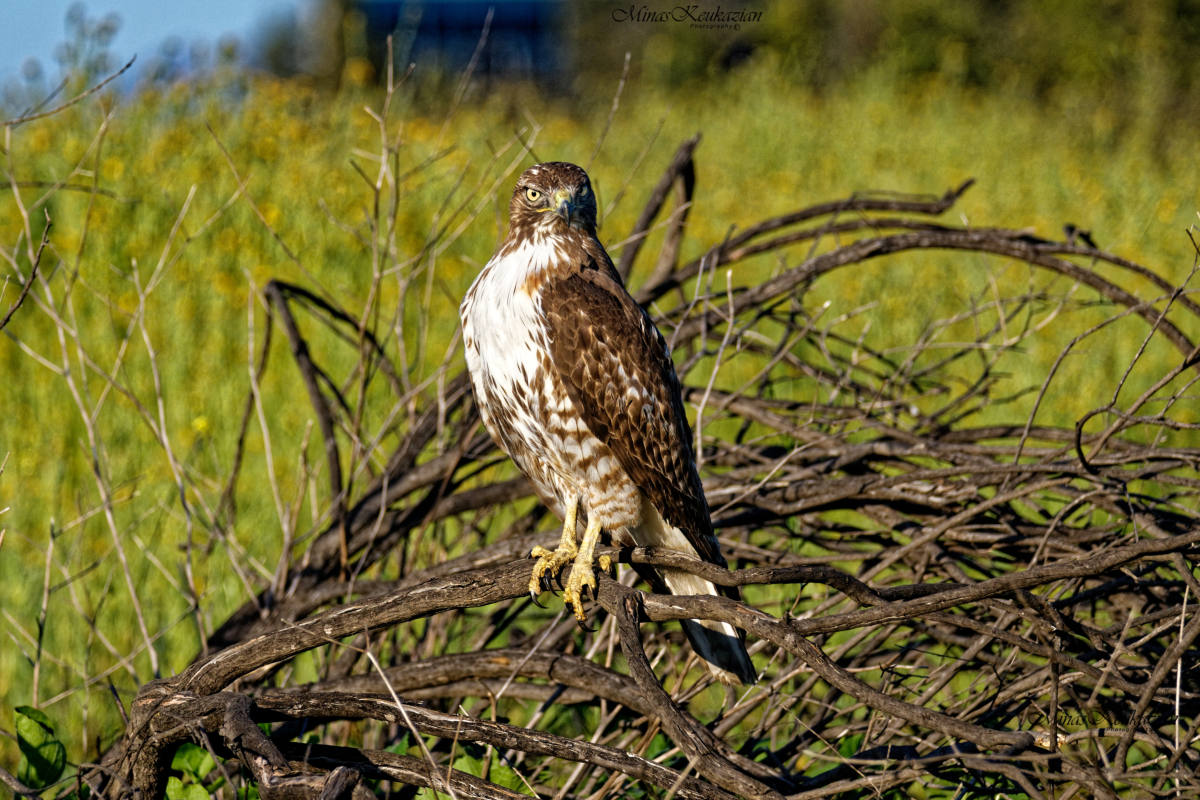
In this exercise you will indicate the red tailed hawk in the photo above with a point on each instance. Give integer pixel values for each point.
(576, 384)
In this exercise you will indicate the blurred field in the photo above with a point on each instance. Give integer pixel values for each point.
(143, 191)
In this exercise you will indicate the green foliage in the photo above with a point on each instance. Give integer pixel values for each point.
(192, 760)
(178, 790)
(486, 763)
(43, 756)
(1135, 59)
(195, 763)
(849, 745)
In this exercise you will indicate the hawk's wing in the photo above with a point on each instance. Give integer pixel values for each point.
(618, 372)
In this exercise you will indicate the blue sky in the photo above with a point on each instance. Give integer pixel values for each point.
(32, 28)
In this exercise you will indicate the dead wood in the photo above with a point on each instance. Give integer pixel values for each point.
(930, 600)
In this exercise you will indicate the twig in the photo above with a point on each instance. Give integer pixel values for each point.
(81, 96)
(33, 271)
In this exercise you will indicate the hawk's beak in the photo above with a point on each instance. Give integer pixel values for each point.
(563, 203)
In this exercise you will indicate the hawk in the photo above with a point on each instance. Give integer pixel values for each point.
(576, 384)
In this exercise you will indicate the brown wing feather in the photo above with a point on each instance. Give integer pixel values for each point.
(618, 372)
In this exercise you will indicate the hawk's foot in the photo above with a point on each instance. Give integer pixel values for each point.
(553, 561)
(583, 575)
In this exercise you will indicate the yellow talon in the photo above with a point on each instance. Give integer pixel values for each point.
(553, 561)
(582, 573)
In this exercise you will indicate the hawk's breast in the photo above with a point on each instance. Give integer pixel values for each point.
(523, 401)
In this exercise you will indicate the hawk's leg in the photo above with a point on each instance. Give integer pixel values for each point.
(582, 572)
(554, 560)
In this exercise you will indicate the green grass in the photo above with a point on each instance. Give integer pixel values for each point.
(769, 147)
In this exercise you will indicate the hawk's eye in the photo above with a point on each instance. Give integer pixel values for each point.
(583, 190)
(533, 195)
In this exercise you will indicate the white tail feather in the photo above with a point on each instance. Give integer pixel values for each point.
(718, 643)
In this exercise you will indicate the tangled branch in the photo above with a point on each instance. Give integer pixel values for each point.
(993, 607)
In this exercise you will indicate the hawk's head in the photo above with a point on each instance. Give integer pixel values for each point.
(552, 197)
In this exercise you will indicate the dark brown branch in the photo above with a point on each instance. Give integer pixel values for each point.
(33, 272)
(696, 741)
(682, 169)
(856, 204)
(407, 770)
(951, 239)
(317, 705)
(274, 292)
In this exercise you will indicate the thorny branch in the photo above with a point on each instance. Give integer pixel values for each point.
(927, 601)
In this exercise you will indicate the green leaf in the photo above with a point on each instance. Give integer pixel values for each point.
(503, 775)
(178, 790)
(193, 760)
(43, 756)
(658, 745)
(849, 745)
(400, 746)
(469, 764)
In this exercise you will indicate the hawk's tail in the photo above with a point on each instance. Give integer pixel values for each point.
(721, 645)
